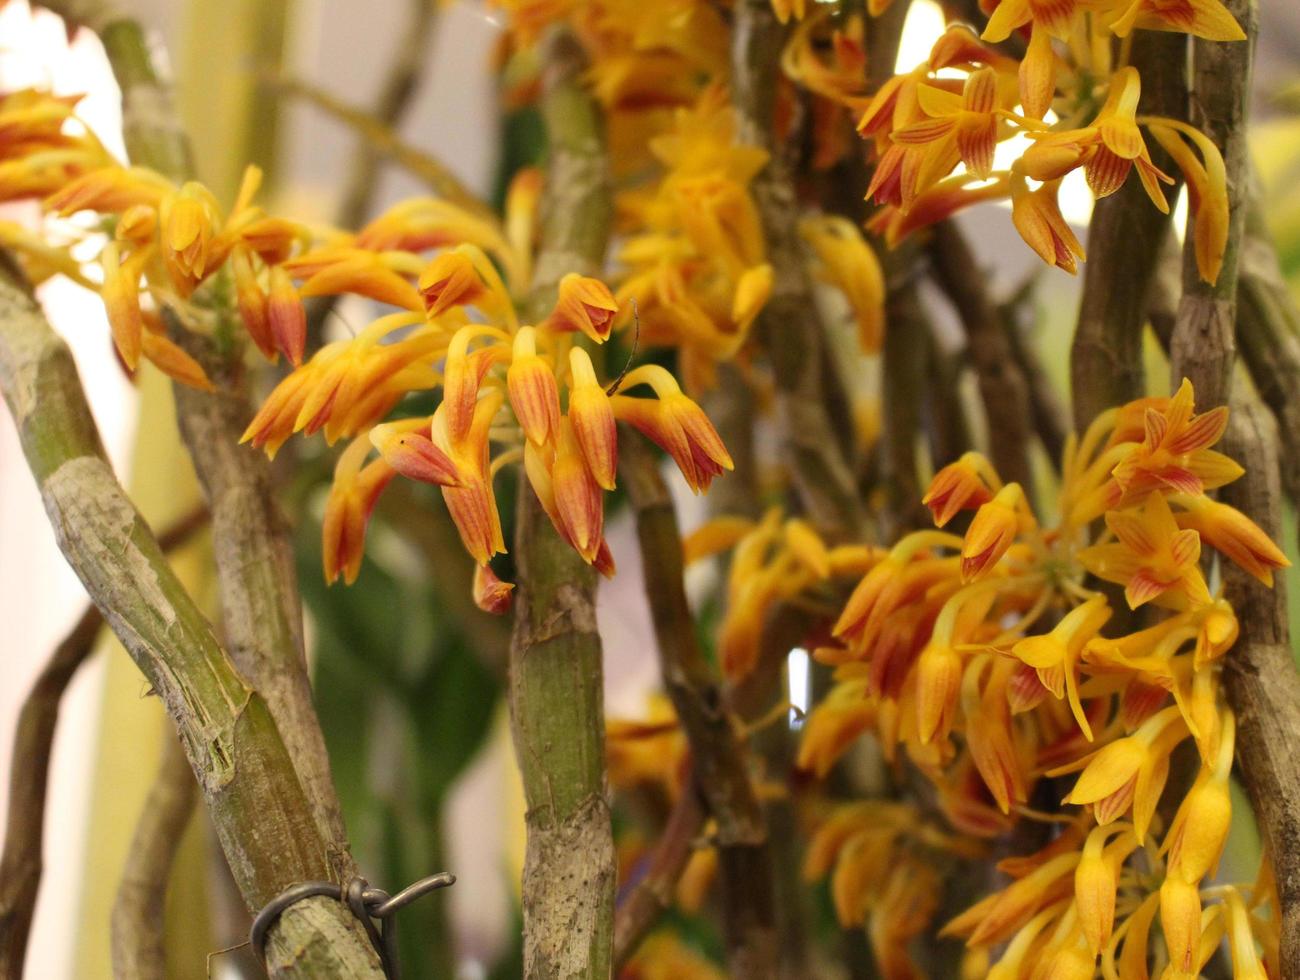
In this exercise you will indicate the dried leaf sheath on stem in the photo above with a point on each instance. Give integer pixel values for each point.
(720, 771)
(556, 696)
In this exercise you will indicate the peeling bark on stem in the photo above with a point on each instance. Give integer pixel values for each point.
(721, 774)
(556, 697)
(262, 815)
(1260, 674)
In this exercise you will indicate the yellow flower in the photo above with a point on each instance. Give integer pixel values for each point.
(1228, 530)
(1153, 559)
(1209, 19)
(850, 264)
(967, 483)
(993, 530)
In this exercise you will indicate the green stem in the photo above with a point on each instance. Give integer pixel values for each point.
(261, 814)
(556, 687)
(261, 609)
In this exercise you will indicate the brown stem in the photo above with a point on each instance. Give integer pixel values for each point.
(1204, 342)
(1124, 240)
(21, 864)
(1050, 418)
(556, 696)
(789, 326)
(137, 933)
(903, 370)
(22, 860)
(1261, 679)
(653, 894)
(718, 756)
(1003, 388)
(1268, 332)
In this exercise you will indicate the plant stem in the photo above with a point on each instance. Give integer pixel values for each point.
(556, 688)
(1002, 384)
(1268, 331)
(721, 773)
(1125, 237)
(261, 609)
(21, 861)
(1203, 346)
(139, 950)
(653, 894)
(1260, 674)
(789, 327)
(257, 803)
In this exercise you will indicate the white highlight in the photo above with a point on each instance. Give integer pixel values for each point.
(798, 668)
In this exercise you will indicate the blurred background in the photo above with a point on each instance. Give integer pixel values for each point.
(411, 708)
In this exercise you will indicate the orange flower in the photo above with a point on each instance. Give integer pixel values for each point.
(1174, 453)
(121, 295)
(450, 280)
(1153, 559)
(964, 128)
(1228, 530)
(286, 316)
(490, 593)
(1107, 150)
(407, 448)
(967, 483)
(534, 394)
(993, 531)
(584, 304)
(1037, 216)
(353, 494)
(675, 423)
(1209, 19)
(593, 419)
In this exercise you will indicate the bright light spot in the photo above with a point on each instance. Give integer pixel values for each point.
(1179, 216)
(798, 673)
(924, 25)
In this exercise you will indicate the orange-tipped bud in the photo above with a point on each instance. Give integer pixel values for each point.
(1096, 881)
(593, 419)
(463, 375)
(473, 509)
(992, 532)
(364, 274)
(1180, 918)
(172, 361)
(604, 560)
(450, 280)
(584, 304)
(1230, 531)
(578, 501)
(1037, 216)
(534, 394)
(121, 295)
(352, 497)
(254, 309)
(413, 454)
(286, 316)
(271, 238)
(957, 487)
(679, 426)
(490, 593)
(938, 682)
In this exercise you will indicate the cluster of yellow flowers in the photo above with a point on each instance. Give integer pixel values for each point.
(935, 128)
(983, 657)
(692, 251)
(511, 391)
